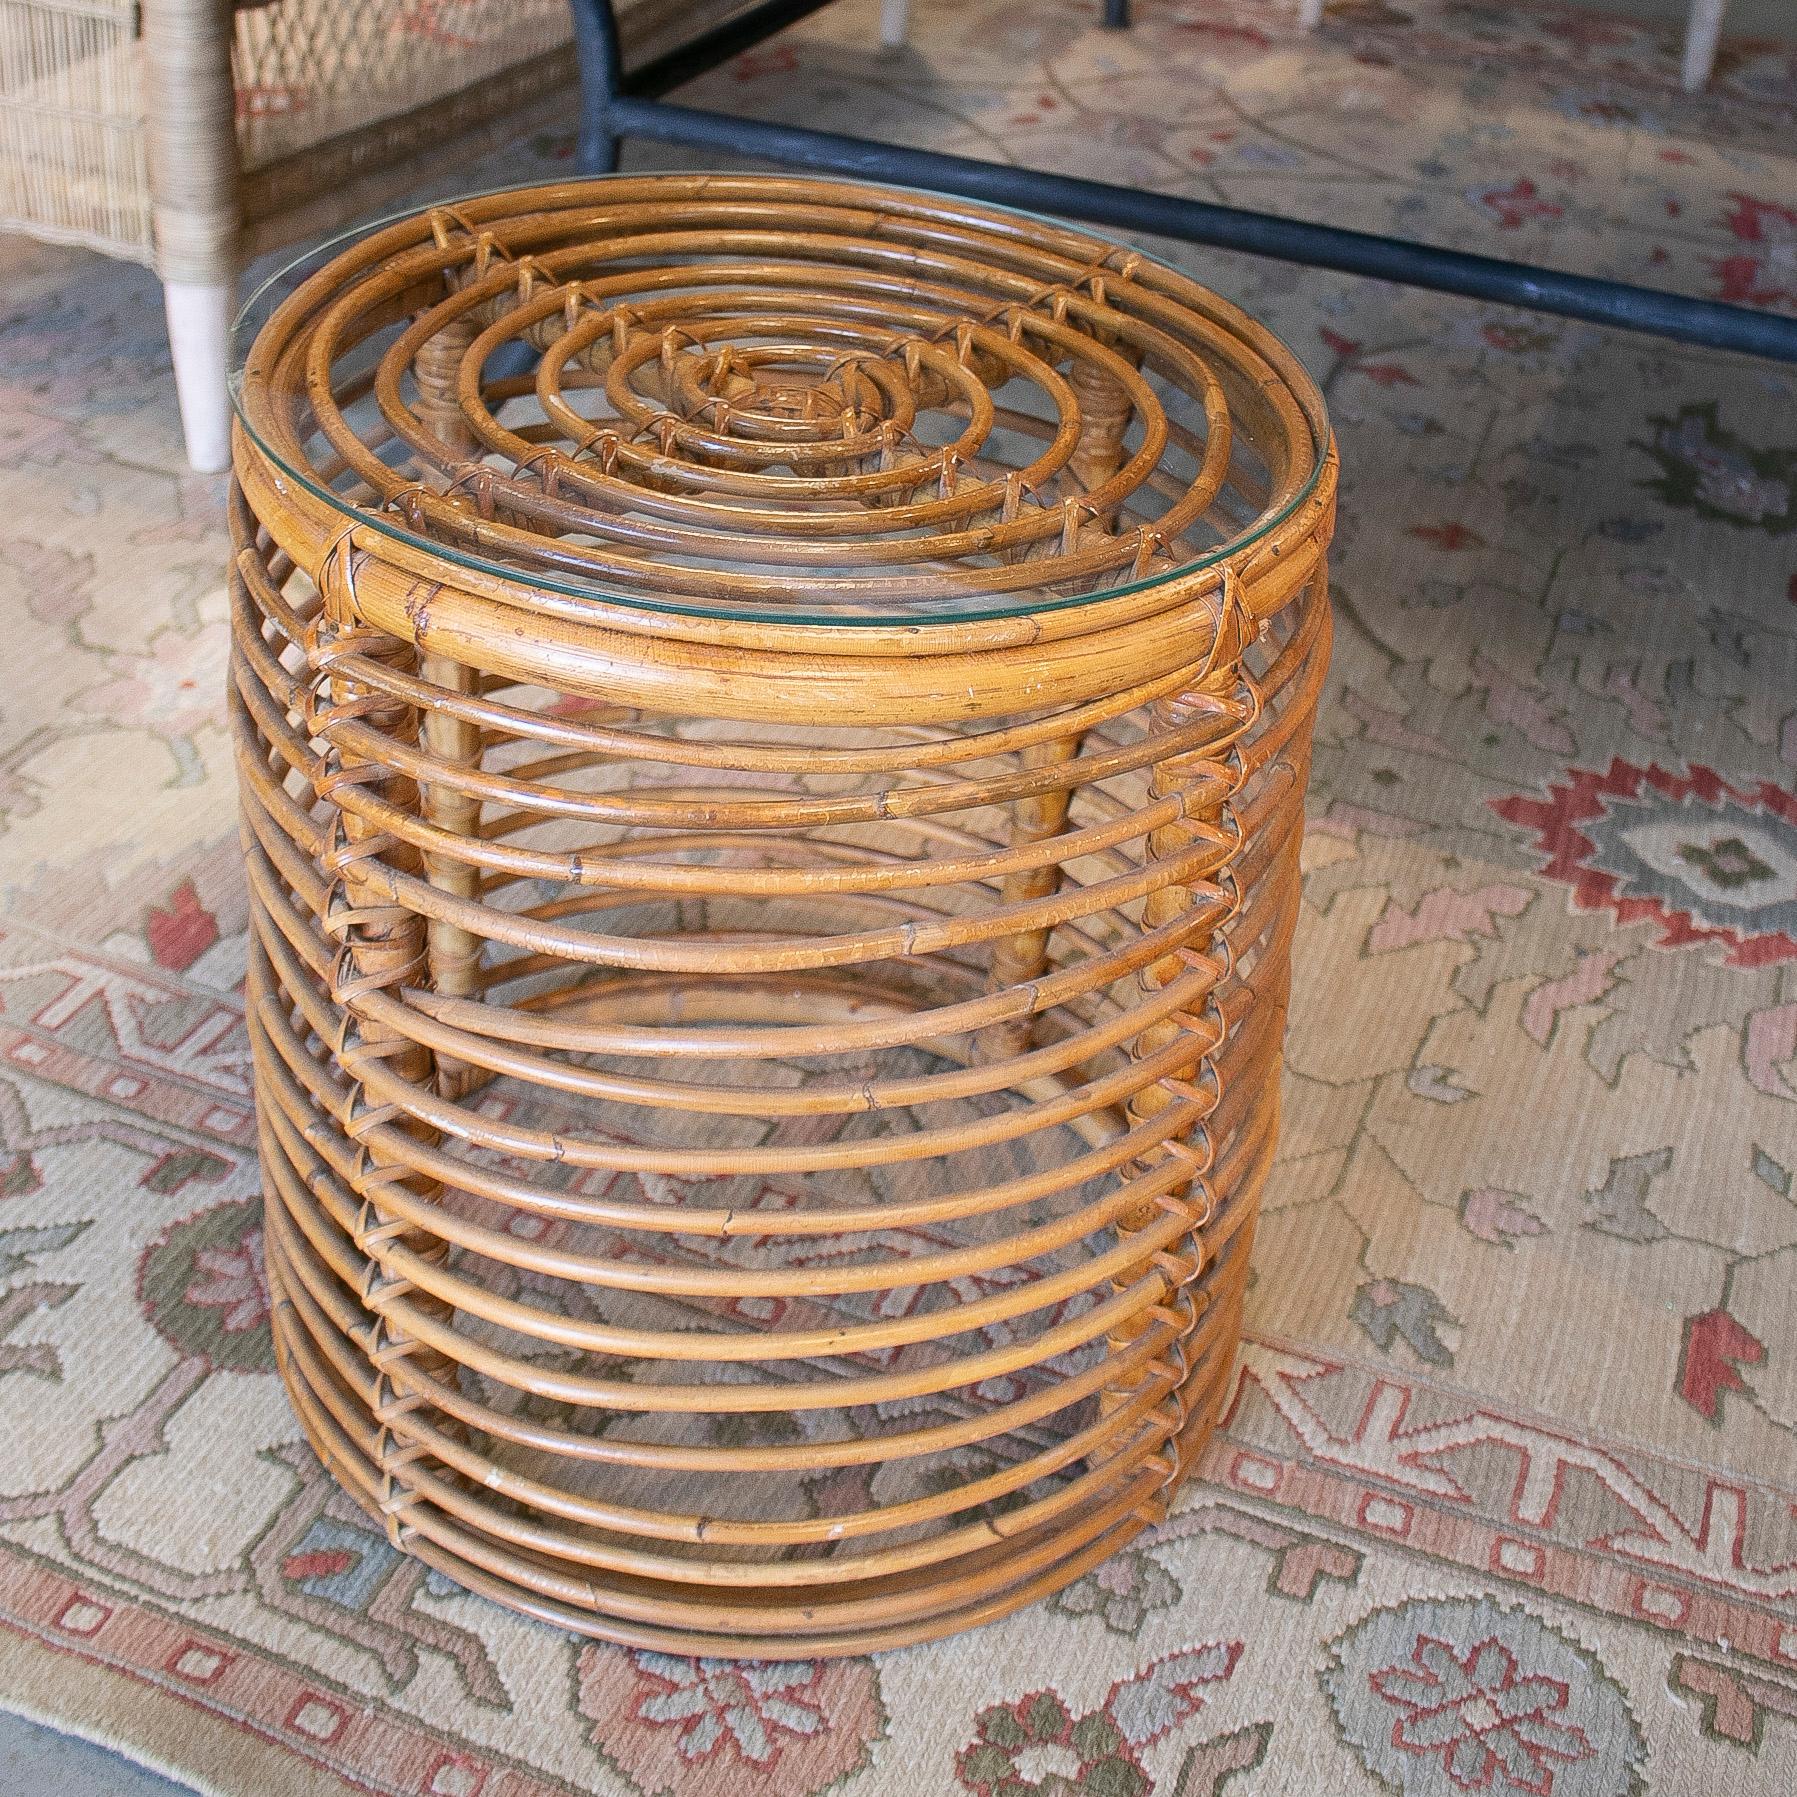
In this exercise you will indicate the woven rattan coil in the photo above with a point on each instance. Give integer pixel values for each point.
(772, 718)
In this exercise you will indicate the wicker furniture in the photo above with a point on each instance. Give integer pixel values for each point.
(773, 837)
(193, 133)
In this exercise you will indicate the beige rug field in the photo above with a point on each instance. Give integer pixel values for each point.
(1507, 1497)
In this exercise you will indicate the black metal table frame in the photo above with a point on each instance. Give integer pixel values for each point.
(617, 105)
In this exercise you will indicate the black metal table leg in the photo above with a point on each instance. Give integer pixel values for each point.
(601, 63)
(616, 106)
(603, 81)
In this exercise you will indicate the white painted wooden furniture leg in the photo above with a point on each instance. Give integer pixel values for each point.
(1701, 36)
(895, 23)
(199, 330)
(1310, 14)
(191, 136)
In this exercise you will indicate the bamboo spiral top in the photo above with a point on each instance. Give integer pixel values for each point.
(754, 397)
(771, 719)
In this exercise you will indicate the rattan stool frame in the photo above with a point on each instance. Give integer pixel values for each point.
(772, 873)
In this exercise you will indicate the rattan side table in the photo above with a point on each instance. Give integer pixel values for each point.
(772, 718)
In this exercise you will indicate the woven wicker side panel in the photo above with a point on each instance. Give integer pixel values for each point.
(72, 165)
(308, 70)
(308, 73)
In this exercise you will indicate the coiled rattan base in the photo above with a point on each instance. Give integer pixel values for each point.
(773, 842)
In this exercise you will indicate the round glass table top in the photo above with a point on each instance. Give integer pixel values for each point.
(773, 397)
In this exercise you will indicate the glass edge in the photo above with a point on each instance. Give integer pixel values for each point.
(320, 249)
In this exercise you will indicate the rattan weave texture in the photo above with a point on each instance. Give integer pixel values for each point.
(772, 718)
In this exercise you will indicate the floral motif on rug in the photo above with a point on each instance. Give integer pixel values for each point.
(1702, 859)
(203, 1287)
(698, 1727)
(1040, 1745)
(1708, 469)
(1440, 1698)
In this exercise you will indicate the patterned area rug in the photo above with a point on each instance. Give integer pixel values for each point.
(1507, 1498)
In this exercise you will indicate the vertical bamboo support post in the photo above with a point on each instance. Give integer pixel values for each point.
(453, 953)
(1209, 1379)
(1104, 413)
(1220, 691)
(381, 947)
(437, 369)
(1023, 957)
